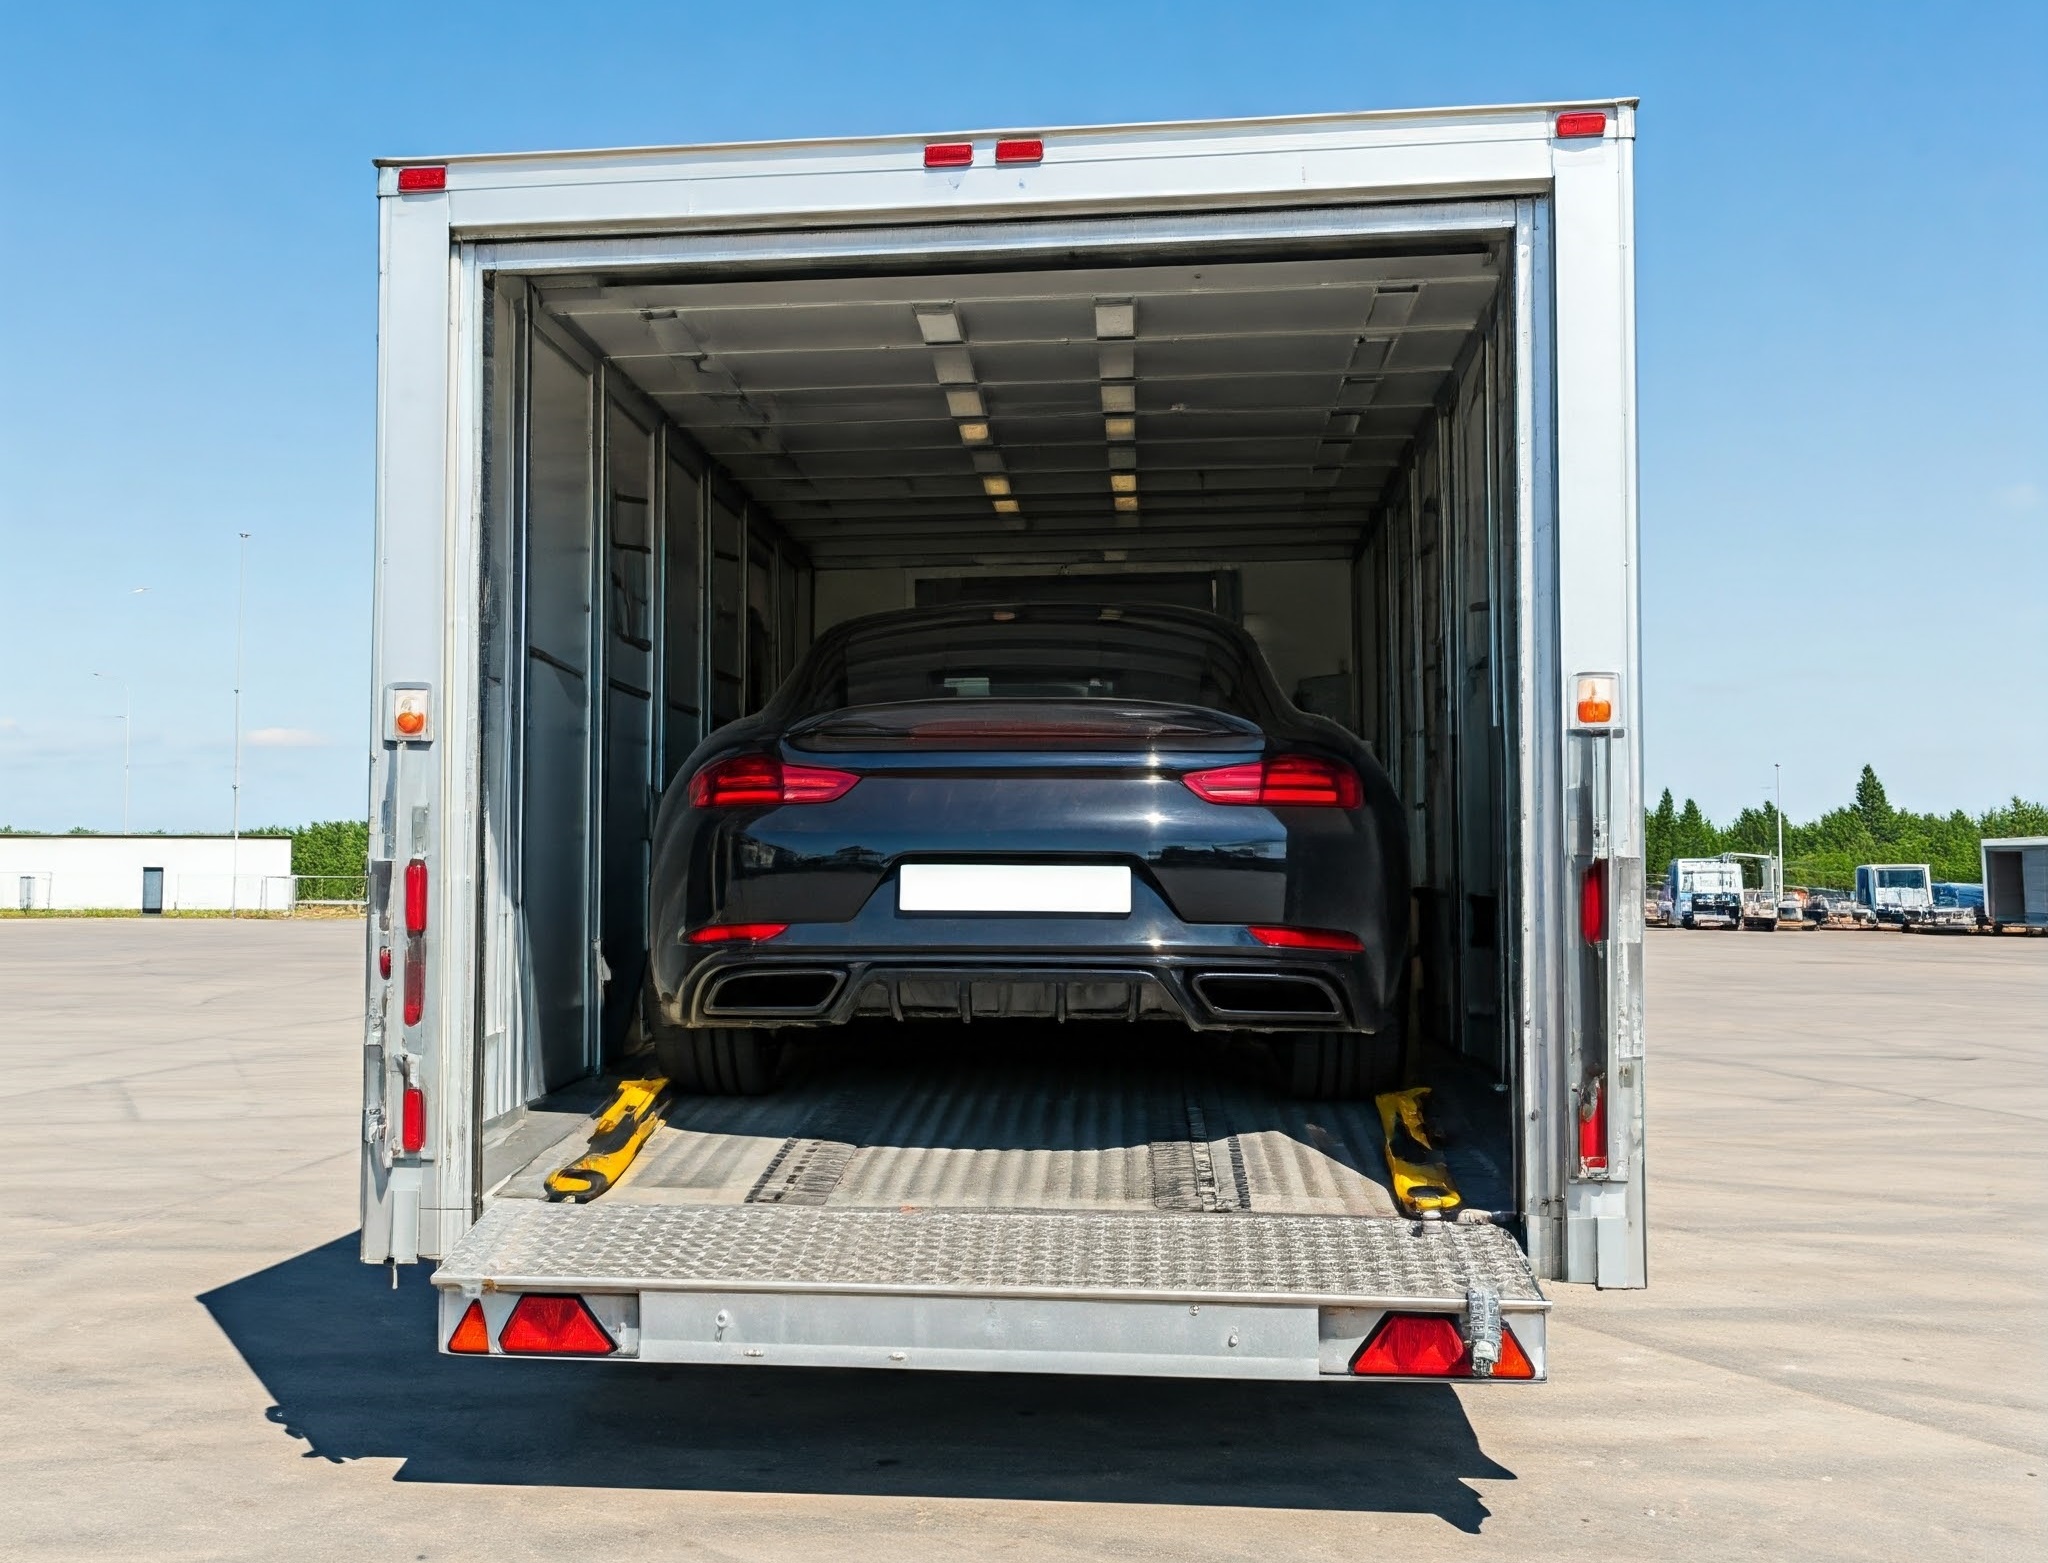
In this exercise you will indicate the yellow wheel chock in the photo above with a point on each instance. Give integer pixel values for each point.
(1422, 1182)
(615, 1139)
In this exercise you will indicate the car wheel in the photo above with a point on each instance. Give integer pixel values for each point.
(1339, 1065)
(719, 1060)
(713, 1060)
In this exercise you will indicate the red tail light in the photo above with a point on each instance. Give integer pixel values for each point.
(744, 781)
(948, 154)
(1306, 938)
(1593, 902)
(416, 896)
(734, 933)
(548, 1325)
(472, 1337)
(1288, 781)
(412, 1119)
(415, 980)
(1572, 125)
(1429, 1345)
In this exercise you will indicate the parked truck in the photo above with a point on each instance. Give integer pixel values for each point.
(650, 420)
(1704, 892)
(1901, 895)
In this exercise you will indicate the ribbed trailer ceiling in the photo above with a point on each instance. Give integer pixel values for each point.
(1168, 412)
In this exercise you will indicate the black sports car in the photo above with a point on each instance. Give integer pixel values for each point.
(1051, 811)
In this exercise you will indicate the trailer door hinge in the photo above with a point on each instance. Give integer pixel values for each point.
(373, 1123)
(1482, 1329)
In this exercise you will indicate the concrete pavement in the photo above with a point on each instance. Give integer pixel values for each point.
(1839, 1356)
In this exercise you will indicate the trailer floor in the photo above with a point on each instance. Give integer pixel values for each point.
(1032, 1118)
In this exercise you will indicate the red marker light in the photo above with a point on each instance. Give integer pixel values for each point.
(415, 180)
(734, 933)
(553, 1325)
(1020, 151)
(1572, 126)
(412, 1119)
(416, 896)
(1429, 1345)
(1306, 938)
(949, 154)
(384, 962)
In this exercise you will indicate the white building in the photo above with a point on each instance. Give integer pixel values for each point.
(145, 873)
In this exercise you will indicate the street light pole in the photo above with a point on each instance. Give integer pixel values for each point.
(235, 815)
(1778, 784)
(127, 749)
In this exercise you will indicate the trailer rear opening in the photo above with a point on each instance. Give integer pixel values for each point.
(683, 447)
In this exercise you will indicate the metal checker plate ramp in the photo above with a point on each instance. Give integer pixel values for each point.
(523, 1245)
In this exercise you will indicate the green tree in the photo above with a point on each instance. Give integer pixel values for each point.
(1873, 805)
(1660, 836)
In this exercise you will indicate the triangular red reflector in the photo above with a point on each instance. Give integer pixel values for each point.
(472, 1335)
(543, 1323)
(1514, 1362)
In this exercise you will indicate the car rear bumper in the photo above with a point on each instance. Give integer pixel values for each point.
(1206, 990)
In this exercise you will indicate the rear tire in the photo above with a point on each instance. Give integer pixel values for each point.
(1340, 1065)
(719, 1060)
(713, 1060)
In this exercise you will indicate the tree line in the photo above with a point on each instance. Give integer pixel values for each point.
(1825, 851)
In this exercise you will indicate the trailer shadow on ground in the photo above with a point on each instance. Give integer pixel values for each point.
(350, 1368)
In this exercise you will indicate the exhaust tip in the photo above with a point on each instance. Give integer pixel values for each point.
(772, 992)
(1268, 995)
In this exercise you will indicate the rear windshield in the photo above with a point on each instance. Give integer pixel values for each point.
(1901, 878)
(1019, 654)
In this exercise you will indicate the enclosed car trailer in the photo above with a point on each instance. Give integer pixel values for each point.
(650, 420)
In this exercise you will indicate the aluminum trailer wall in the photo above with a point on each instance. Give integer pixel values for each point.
(1563, 523)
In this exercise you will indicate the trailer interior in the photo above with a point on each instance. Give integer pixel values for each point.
(690, 474)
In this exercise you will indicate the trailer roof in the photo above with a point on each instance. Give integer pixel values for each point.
(1481, 112)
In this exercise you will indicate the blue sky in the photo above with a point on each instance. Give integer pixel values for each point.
(1840, 225)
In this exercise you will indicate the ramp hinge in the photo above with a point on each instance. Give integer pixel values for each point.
(1482, 1329)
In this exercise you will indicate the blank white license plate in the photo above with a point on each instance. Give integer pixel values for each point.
(1014, 887)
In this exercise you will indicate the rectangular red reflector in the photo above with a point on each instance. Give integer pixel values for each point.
(1593, 1126)
(415, 981)
(1571, 126)
(1021, 151)
(1306, 938)
(545, 1324)
(416, 179)
(949, 154)
(1593, 902)
(416, 896)
(734, 933)
(412, 1119)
